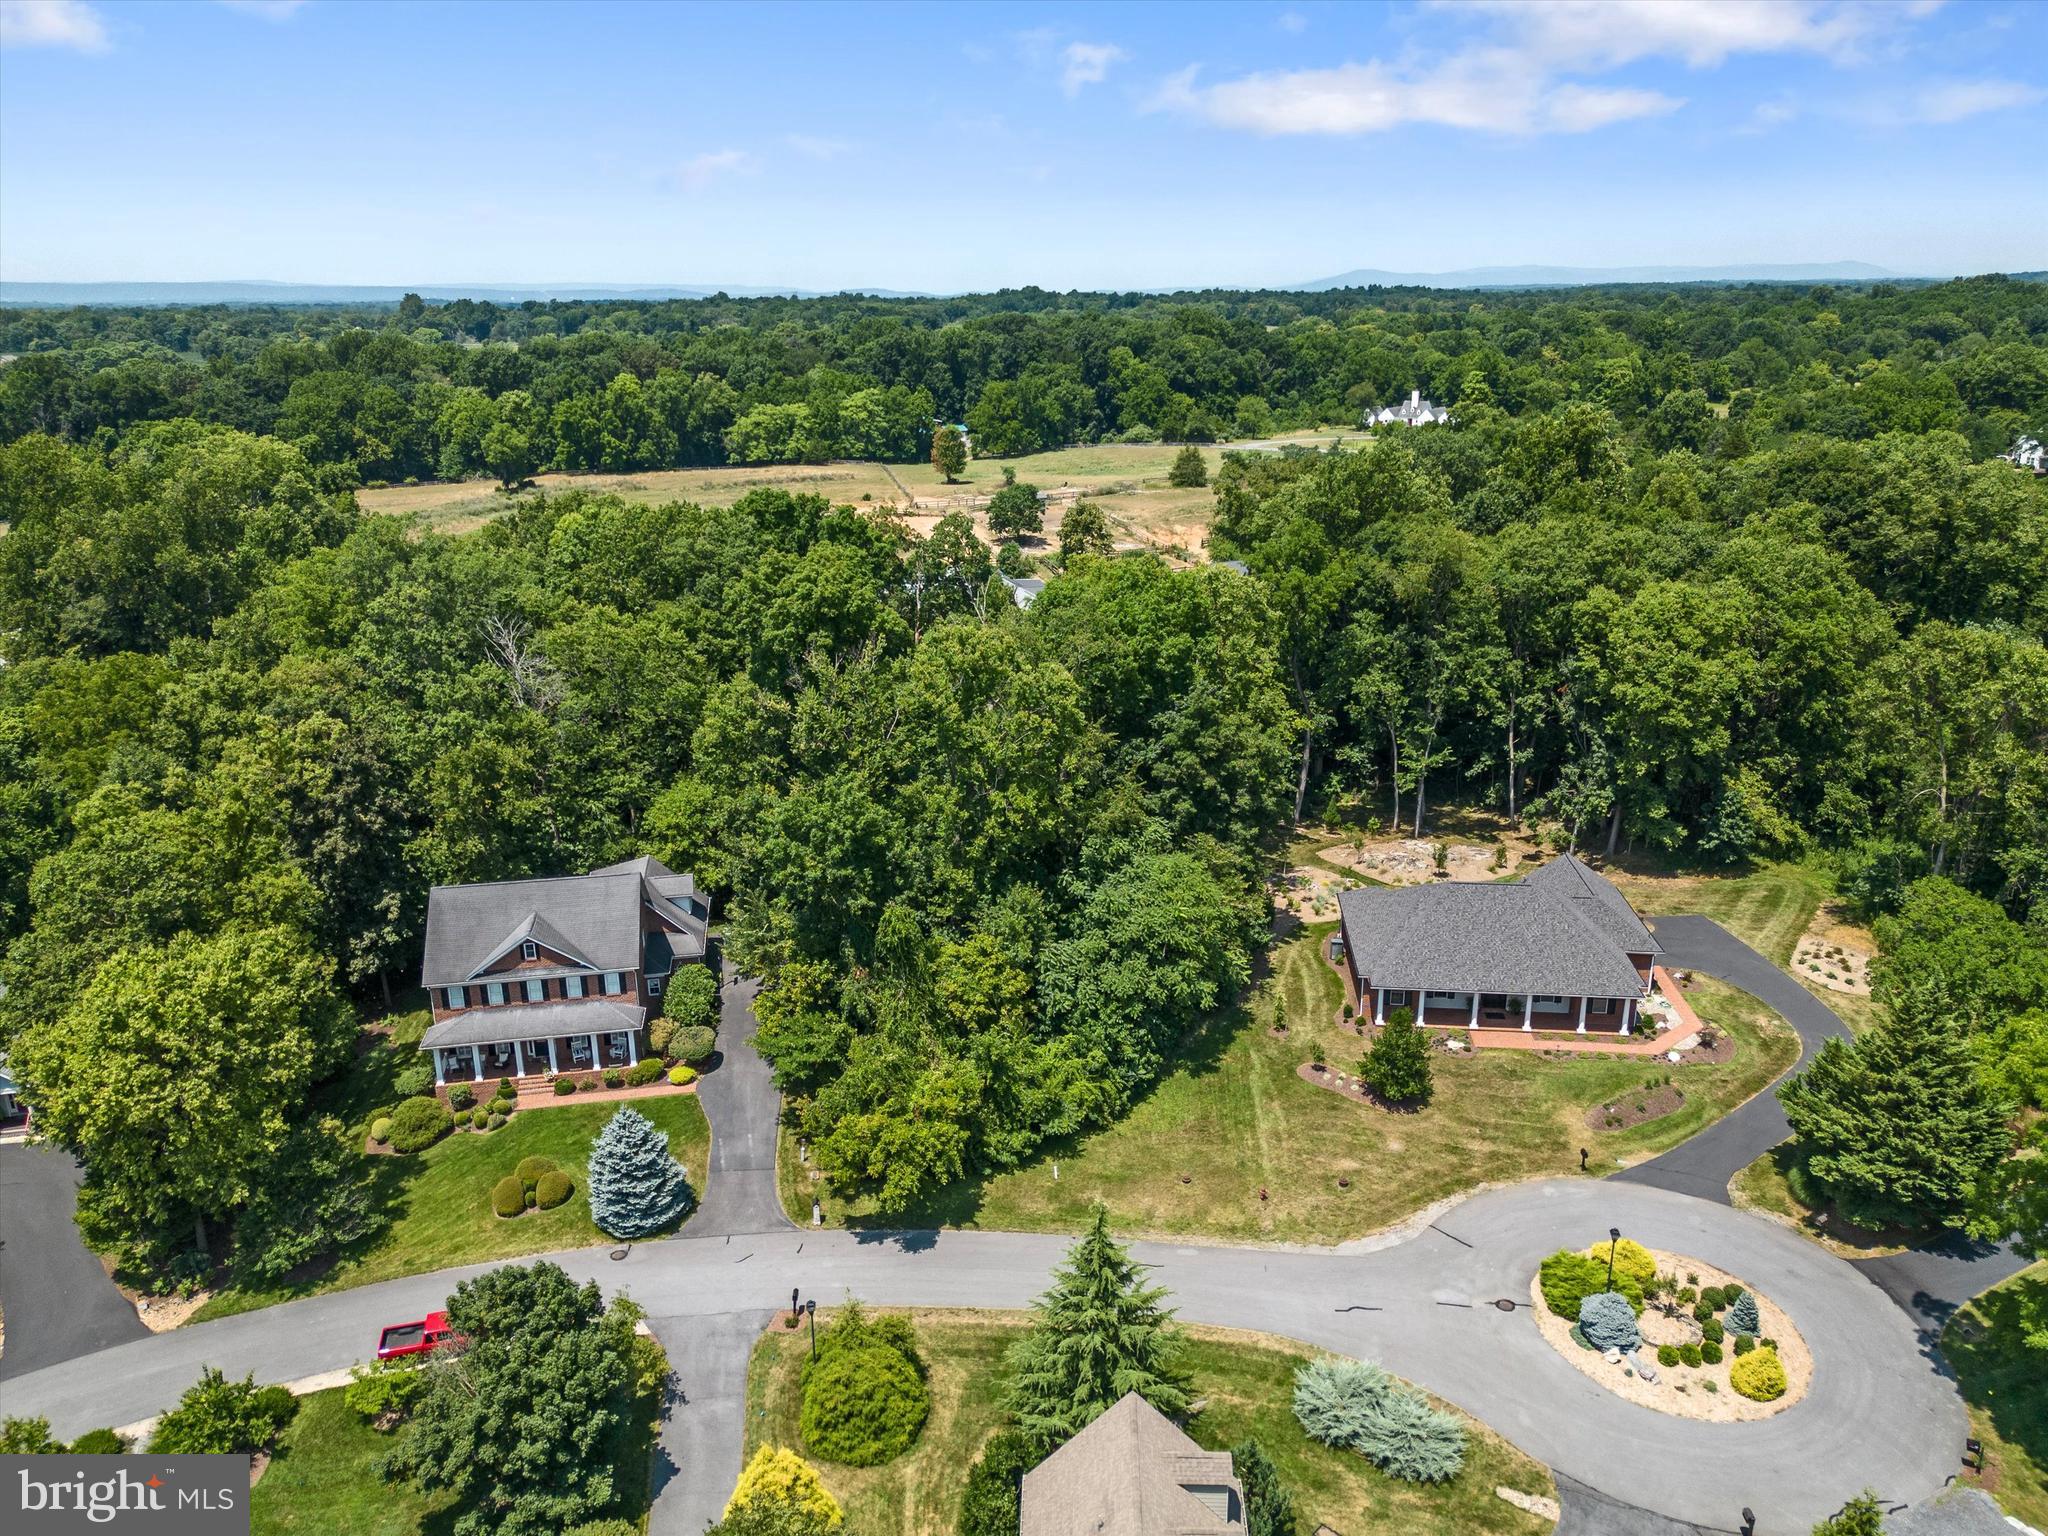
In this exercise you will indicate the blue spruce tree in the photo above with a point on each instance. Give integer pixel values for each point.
(636, 1188)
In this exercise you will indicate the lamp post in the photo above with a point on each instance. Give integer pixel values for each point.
(811, 1309)
(1613, 1238)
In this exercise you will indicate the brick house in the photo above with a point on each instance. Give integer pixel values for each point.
(1559, 949)
(531, 977)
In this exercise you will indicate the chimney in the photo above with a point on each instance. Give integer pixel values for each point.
(1415, 399)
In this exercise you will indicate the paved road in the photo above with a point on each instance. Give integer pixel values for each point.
(1880, 1413)
(59, 1303)
(705, 1431)
(740, 1100)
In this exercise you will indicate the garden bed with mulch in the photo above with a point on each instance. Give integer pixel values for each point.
(1635, 1108)
(1685, 1391)
(1348, 1084)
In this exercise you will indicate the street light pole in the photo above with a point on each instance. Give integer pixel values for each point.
(1613, 1238)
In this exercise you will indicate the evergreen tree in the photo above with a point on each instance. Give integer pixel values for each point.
(1397, 1066)
(1100, 1333)
(1743, 1316)
(1268, 1506)
(1188, 470)
(1898, 1127)
(636, 1188)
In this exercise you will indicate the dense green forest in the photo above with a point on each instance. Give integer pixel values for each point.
(1710, 573)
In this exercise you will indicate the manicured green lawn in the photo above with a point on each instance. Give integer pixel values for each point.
(435, 1207)
(2006, 1385)
(1234, 1118)
(1247, 1380)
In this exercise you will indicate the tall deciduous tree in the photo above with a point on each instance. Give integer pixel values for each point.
(949, 453)
(515, 1422)
(179, 1075)
(1100, 1333)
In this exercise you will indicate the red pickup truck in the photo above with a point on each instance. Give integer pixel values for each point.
(430, 1332)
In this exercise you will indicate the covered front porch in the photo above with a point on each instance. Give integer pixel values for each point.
(533, 1040)
(1527, 1012)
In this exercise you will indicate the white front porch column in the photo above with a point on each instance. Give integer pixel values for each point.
(595, 1059)
(1582, 1014)
(476, 1064)
(551, 1054)
(439, 1076)
(1475, 1010)
(1528, 1013)
(632, 1047)
(1628, 1012)
(1379, 1005)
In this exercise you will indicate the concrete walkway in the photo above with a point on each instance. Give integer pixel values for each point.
(59, 1303)
(1880, 1413)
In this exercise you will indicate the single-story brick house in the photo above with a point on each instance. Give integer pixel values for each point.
(530, 977)
(1558, 949)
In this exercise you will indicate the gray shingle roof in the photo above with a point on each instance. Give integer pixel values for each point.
(1520, 938)
(533, 1021)
(1132, 1473)
(1567, 876)
(593, 917)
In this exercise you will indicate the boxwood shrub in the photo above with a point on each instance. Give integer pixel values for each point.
(1667, 1355)
(1689, 1353)
(682, 1076)
(508, 1196)
(497, 1120)
(418, 1123)
(1758, 1376)
(692, 1043)
(99, 1442)
(552, 1189)
(564, 1086)
(380, 1129)
(531, 1169)
(1710, 1352)
(641, 1073)
(461, 1095)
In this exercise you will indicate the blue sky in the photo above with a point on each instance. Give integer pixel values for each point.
(947, 147)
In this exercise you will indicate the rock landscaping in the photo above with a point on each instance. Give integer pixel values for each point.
(1704, 1345)
(1657, 1097)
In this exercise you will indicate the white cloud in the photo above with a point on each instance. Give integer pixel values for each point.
(52, 24)
(1950, 101)
(815, 148)
(702, 169)
(268, 10)
(1482, 91)
(1601, 34)
(1087, 64)
(1291, 21)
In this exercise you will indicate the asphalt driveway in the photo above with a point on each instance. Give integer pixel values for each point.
(59, 1303)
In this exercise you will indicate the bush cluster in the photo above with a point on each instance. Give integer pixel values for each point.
(641, 1073)
(1631, 1259)
(383, 1390)
(1759, 1376)
(1356, 1405)
(225, 1418)
(99, 1442)
(1568, 1278)
(864, 1397)
(418, 1123)
(508, 1196)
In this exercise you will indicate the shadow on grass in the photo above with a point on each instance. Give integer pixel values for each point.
(1998, 1373)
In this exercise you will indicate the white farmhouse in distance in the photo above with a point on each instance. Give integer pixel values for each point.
(2028, 453)
(1413, 412)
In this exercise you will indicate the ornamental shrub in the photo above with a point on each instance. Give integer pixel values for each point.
(383, 1390)
(530, 1170)
(99, 1442)
(29, 1437)
(380, 1129)
(691, 1002)
(1703, 1311)
(777, 1475)
(507, 1089)
(496, 1120)
(461, 1096)
(1667, 1355)
(552, 1189)
(1744, 1343)
(636, 1187)
(1631, 1258)
(1743, 1316)
(480, 1117)
(682, 1076)
(1334, 1399)
(418, 1123)
(1568, 1278)
(1397, 1066)
(508, 1196)
(641, 1073)
(221, 1417)
(863, 1405)
(612, 1077)
(1689, 1353)
(564, 1086)
(1687, 1295)
(1406, 1437)
(1609, 1322)
(1712, 1331)
(1710, 1352)
(1758, 1376)
(992, 1505)
(693, 1043)
(416, 1077)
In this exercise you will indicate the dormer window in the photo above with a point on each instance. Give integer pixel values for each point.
(529, 950)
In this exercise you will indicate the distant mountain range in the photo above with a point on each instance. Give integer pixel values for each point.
(1581, 277)
(263, 292)
(41, 295)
